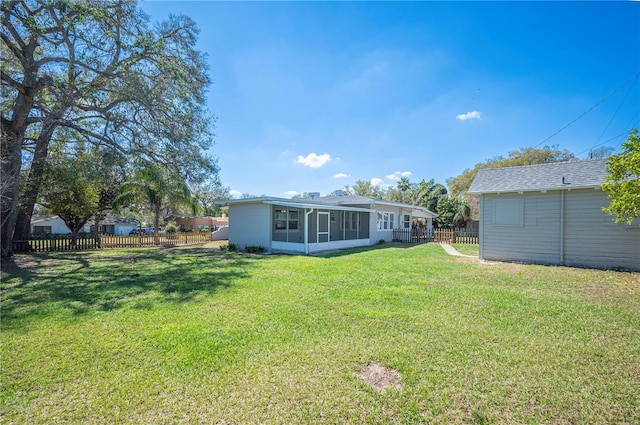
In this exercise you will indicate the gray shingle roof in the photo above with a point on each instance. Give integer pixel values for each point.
(351, 201)
(553, 176)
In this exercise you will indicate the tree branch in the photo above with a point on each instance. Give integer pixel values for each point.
(11, 82)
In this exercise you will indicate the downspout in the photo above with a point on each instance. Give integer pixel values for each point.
(562, 227)
(306, 231)
(481, 228)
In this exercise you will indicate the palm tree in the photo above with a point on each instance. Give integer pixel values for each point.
(156, 187)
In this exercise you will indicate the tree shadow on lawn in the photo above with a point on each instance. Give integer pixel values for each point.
(41, 285)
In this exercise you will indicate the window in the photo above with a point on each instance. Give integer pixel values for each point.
(280, 218)
(42, 229)
(349, 221)
(406, 221)
(508, 212)
(385, 220)
(287, 225)
(293, 220)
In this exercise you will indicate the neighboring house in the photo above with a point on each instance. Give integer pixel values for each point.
(52, 225)
(552, 214)
(319, 223)
(111, 225)
(114, 225)
(201, 223)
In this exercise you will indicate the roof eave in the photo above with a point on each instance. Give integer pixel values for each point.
(542, 190)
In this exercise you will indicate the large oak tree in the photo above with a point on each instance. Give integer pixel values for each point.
(102, 70)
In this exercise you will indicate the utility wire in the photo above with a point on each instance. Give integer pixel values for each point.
(633, 123)
(615, 113)
(590, 109)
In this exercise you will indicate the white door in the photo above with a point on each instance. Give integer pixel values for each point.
(323, 230)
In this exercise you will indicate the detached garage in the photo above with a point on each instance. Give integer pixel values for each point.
(552, 214)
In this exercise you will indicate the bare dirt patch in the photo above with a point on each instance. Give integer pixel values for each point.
(379, 377)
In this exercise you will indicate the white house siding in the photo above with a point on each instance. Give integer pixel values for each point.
(117, 229)
(384, 234)
(250, 225)
(58, 227)
(593, 239)
(536, 239)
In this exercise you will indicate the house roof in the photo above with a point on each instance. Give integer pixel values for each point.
(346, 202)
(43, 218)
(553, 176)
(108, 220)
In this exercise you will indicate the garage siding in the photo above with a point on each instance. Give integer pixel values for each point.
(536, 240)
(591, 238)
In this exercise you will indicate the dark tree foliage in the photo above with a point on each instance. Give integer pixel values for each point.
(102, 71)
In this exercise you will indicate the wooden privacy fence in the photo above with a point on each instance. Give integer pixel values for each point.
(461, 236)
(109, 241)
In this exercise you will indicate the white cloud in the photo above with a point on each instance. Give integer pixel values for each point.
(291, 193)
(341, 176)
(314, 161)
(398, 175)
(235, 193)
(377, 182)
(472, 115)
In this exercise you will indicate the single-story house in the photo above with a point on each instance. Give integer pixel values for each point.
(318, 223)
(52, 225)
(552, 214)
(114, 225)
(111, 225)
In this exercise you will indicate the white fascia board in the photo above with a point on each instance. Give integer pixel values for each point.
(406, 206)
(543, 190)
(241, 201)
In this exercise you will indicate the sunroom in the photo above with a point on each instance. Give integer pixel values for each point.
(309, 228)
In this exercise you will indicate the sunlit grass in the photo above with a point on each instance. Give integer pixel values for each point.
(198, 336)
(467, 249)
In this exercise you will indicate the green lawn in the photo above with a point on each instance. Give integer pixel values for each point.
(193, 335)
(467, 249)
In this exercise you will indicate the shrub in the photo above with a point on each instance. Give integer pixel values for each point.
(254, 249)
(228, 247)
(171, 228)
(382, 242)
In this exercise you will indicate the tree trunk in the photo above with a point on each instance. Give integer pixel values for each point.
(96, 229)
(156, 222)
(74, 239)
(28, 199)
(10, 161)
(12, 135)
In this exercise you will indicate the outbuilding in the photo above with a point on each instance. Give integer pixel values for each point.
(552, 214)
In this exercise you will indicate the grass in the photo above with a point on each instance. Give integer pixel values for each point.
(193, 335)
(467, 249)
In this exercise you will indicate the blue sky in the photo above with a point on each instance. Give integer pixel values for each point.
(312, 96)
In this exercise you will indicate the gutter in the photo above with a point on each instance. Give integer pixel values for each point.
(562, 227)
(306, 231)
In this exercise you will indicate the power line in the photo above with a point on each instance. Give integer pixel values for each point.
(590, 109)
(618, 139)
(615, 113)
